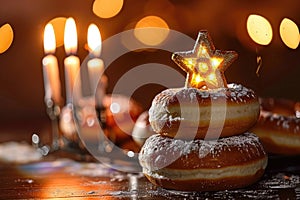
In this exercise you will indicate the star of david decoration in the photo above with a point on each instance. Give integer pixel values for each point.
(205, 66)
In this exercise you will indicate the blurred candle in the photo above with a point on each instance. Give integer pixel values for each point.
(50, 67)
(72, 62)
(95, 65)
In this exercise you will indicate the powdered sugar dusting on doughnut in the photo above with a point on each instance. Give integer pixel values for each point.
(171, 149)
(236, 91)
(163, 111)
(289, 124)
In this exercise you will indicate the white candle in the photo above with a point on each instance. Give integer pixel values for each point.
(72, 62)
(95, 71)
(72, 65)
(95, 65)
(50, 67)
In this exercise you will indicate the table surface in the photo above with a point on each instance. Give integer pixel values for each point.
(61, 175)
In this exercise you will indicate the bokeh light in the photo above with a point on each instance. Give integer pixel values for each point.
(289, 33)
(58, 24)
(259, 29)
(128, 39)
(151, 30)
(107, 8)
(6, 37)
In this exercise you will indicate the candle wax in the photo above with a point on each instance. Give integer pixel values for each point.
(51, 78)
(72, 74)
(95, 70)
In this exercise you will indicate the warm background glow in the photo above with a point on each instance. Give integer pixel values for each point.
(259, 29)
(289, 33)
(107, 8)
(146, 32)
(58, 24)
(21, 74)
(6, 37)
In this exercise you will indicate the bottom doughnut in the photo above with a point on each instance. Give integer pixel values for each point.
(199, 165)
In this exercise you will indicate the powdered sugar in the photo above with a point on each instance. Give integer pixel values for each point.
(173, 106)
(172, 149)
(162, 103)
(286, 123)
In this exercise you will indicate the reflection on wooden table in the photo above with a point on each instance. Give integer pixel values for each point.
(58, 177)
(61, 176)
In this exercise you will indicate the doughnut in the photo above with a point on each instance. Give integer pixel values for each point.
(187, 112)
(121, 115)
(280, 106)
(142, 129)
(203, 165)
(278, 126)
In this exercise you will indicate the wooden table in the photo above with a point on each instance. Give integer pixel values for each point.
(58, 177)
(61, 176)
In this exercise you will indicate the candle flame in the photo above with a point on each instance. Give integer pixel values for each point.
(94, 40)
(70, 36)
(49, 39)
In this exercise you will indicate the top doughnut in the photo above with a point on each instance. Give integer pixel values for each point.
(188, 113)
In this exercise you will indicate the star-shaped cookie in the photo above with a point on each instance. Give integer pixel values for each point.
(205, 66)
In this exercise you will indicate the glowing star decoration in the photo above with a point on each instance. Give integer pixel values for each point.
(204, 65)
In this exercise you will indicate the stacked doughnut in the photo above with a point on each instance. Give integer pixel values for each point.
(202, 141)
(278, 126)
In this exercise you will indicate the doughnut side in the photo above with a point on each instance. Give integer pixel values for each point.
(277, 142)
(202, 113)
(160, 152)
(279, 134)
(225, 163)
(198, 183)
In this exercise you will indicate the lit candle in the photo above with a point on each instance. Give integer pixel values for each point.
(72, 62)
(50, 67)
(95, 65)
